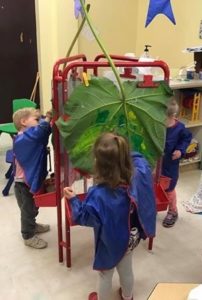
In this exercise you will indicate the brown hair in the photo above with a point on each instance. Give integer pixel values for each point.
(23, 113)
(113, 164)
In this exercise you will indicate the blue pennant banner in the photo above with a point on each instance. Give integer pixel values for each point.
(159, 7)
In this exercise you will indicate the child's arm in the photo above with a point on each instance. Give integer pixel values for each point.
(42, 131)
(183, 143)
(85, 213)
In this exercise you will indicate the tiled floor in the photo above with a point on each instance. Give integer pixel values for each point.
(29, 274)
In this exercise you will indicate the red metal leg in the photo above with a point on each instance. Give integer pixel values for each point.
(150, 245)
(60, 247)
(68, 243)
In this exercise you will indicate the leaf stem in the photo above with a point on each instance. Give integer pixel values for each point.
(104, 51)
(76, 35)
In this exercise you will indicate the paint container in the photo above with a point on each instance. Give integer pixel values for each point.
(190, 74)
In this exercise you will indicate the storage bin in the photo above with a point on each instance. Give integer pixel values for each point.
(161, 197)
(45, 200)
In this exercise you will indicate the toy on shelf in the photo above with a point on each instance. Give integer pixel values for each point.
(192, 152)
(190, 105)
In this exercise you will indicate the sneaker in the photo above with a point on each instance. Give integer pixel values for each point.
(41, 228)
(120, 293)
(93, 296)
(36, 242)
(170, 219)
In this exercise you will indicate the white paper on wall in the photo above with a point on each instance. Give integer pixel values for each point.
(200, 30)
(87, 33)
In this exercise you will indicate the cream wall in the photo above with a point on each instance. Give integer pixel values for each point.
(166, 39)
(115, 21)
(56, 26)
(120, 25)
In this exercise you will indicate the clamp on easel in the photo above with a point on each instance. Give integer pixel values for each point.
(147, 82)
(85, 78)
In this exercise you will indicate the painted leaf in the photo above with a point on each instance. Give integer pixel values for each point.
(99, 108)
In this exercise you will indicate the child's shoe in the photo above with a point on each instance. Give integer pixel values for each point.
(170, 219)
(36, 242)
(120, 293)
(41, 228)
(93, 296)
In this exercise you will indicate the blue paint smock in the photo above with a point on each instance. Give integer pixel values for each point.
(177, 138)
(108, 211)
(30, 150)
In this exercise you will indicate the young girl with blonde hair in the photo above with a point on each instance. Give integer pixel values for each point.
(178, 139)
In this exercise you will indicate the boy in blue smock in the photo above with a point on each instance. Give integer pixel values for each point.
(178, 139)
(30, 157)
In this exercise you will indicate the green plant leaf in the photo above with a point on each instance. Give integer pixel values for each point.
(99, 108)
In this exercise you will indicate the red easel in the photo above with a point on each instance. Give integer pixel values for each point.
(73, 66)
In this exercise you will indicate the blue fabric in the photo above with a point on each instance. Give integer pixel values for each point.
(159, 7)
(142, 192)
(30, 151)
(177, 138)
(108, 211)
(78, 8)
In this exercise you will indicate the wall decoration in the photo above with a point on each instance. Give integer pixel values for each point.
(159, 7)
(200, 30)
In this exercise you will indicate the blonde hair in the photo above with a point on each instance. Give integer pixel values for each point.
(172, 108)
(113, 164)
(23, 113)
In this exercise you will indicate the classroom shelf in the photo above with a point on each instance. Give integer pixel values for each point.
(190, 124)
(194, 161)
(185, 84)
(194, 126)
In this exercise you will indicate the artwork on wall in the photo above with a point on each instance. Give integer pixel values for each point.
(157, 7)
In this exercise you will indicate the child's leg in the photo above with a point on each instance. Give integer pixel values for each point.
(105, 284)
(28, 210)
(172, 214)
(125, 271)
(172, 197)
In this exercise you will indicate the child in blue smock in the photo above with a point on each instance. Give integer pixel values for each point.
(120, 208)
(30, 153)
(178, 139)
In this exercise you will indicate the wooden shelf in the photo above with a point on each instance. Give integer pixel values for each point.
(189, 124)
(185, 84)
(194, 126)
(194, 161)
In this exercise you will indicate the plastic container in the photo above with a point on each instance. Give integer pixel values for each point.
(190, 74)
(45, 200)
(68, 208)
(161, 197)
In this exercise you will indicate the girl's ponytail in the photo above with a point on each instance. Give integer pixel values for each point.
(113, 164)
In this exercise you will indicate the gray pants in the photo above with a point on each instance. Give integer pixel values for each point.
(28, 209)
(125, 271)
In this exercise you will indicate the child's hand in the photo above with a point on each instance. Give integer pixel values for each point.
(176, 154)
(49, 115)
(68, 192)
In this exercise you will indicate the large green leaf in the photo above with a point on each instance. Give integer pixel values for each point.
(99, 108)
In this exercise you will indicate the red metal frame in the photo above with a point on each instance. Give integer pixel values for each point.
(60, 95)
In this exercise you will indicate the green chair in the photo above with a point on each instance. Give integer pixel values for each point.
(9, 128)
